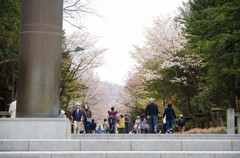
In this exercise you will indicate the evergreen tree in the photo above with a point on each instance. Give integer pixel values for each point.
(212, 29)
(9, 44)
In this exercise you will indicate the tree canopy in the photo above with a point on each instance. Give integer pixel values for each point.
(193, 60)
(212, 29)
(9, 37)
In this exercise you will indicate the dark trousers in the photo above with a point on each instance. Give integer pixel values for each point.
(153, 123)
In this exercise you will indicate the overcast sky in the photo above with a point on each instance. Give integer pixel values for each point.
(122, 26)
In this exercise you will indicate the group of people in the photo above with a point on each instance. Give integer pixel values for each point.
(150, 123)
(82, 123)
(144, 124)
(169, 119)
(147, 123)
(81, 120)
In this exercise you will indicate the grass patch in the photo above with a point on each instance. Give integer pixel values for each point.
(206, 130)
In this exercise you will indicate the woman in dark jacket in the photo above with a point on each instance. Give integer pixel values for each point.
(170, 117)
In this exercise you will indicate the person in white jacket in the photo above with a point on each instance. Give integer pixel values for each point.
(12, 109)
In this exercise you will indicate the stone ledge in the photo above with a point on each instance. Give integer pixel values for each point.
(35, 128)
(156, 145)
(33, 119)
(118, 145)
(123, 154)
(207, 145)
(155, 136)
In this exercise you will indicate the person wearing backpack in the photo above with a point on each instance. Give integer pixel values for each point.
(170, 118)
(112, 119)
(181, 124)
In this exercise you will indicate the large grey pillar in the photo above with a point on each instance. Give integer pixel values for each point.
(39, 58)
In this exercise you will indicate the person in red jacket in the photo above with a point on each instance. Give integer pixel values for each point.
(112, 119)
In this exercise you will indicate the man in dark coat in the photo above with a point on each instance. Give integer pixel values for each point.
(152, 114)
(77, 116)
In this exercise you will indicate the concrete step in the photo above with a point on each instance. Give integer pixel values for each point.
(156, 136)
(159, 144)
(122, 154)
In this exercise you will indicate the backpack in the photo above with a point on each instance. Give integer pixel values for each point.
(181, 122)
(111, 119)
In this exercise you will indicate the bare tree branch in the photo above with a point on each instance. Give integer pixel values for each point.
(5, 61)
(74, 10)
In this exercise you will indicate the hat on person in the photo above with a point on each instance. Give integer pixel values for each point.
(62, 112)
(138, 116)
(181, 115)
(77, 104)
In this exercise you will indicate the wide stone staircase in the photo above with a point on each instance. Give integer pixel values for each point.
(125, 146)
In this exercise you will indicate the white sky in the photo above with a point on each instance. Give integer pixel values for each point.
(122, 26)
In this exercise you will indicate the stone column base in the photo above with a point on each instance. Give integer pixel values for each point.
(35, 128)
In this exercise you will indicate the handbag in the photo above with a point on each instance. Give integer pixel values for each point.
(164, 119)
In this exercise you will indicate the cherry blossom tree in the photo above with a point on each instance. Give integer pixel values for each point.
(169, 70)
(76, 64)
